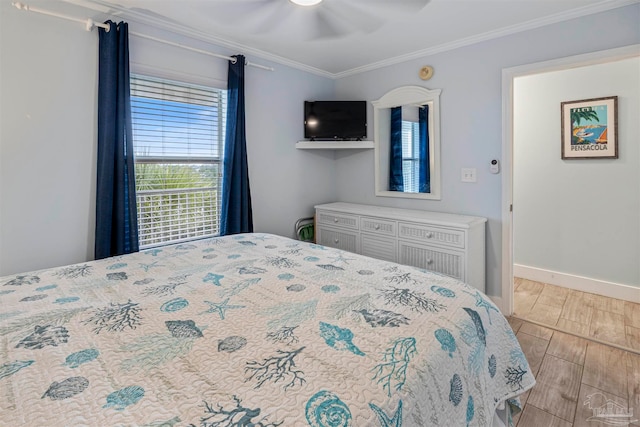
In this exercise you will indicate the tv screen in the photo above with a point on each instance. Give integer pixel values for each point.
(335, 120)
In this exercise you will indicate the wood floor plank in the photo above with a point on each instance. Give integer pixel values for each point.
(523, 303)
(547, 314)
(577, 309)
(551, 300)
(633, 337)
(575, 327)
(530, 287)
(591, 399)
(558, 386)
(535, 417)
(608, 304)
(614, 372)
(608, 326)
(568, 347)
(515, 324)
(632, 314)
(604, 369)
(534, 349)
(584, 295)
(633, 372)
(536, 331)
(553, 295)
(516, 282)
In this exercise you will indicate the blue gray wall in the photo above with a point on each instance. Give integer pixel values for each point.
(471, 114)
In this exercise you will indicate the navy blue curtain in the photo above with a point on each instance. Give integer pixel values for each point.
(236, 215)
(116, 216)
(396, 181)
(423, 133)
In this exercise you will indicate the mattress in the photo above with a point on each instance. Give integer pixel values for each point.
(252, 330)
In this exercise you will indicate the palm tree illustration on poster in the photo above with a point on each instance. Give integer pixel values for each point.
(590, 128)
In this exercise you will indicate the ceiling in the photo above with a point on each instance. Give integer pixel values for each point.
(342, 37)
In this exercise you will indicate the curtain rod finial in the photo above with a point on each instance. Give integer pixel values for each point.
(20, 6)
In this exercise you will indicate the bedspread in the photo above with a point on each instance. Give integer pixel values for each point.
(251, 330)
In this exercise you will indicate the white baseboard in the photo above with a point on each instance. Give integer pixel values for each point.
(579, 283)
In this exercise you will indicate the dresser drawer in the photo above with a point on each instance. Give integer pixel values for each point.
(379, 247)
(431, 235)
(378, 226)
(443, 261)
(339, 239)
(338, 219)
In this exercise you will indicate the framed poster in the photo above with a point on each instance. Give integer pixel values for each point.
(590, 128)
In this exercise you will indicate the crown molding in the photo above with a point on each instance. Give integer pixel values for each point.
(529, 25)
(106, 8)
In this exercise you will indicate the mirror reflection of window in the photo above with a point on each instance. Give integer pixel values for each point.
(410, 156)
(409, 150)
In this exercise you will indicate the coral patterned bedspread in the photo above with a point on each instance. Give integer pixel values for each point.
(252, 330)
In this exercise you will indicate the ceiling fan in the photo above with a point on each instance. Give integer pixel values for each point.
(313, 19)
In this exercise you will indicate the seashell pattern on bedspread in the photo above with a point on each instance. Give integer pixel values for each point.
(268, 332)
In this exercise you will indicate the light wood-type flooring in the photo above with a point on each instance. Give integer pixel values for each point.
(575, 375)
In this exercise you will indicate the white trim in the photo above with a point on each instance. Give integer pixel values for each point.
(141, 17)
(579, 283)
(497, 301)
(508, 76)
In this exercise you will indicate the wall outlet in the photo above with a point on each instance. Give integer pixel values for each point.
(468, 175)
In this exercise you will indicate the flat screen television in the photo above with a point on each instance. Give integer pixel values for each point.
(342, 120)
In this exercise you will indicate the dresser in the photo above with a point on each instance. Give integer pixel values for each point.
(450, 244)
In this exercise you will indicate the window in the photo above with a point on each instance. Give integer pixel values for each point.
(410, 156)
(178, 134)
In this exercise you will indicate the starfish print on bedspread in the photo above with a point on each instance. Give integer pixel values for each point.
(221, 307)
(341, 258)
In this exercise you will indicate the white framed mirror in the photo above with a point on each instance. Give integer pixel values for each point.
(416, 156)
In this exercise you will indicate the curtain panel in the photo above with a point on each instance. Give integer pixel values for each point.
(396, 180)
(424, 185)
(236, 213)
(116, 230)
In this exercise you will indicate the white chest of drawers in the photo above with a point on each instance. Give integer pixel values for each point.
(446, 243)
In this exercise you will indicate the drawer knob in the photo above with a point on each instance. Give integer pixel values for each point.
(377, 227)
(336, 241)
(429, 261)
(335, 219)
(429, 235)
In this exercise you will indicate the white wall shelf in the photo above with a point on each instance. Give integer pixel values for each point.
(334, 145)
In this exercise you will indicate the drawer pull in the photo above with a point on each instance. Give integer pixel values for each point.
(336, 241)
(377, 227)
(429, 235)
(335, 219)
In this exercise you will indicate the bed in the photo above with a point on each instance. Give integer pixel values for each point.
(253, 330)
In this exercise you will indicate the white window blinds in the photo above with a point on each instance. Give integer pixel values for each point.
(178, 134)
(410, 156)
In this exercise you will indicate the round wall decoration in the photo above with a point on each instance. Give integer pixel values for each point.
(426, 72)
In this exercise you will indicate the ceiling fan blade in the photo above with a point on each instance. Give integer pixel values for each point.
(275, 15)
(404, 6)
(229, 11)
(352, 17)
(324, 25)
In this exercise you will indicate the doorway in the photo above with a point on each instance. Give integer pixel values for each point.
(508, 78)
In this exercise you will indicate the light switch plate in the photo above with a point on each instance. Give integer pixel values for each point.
(468, 175)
